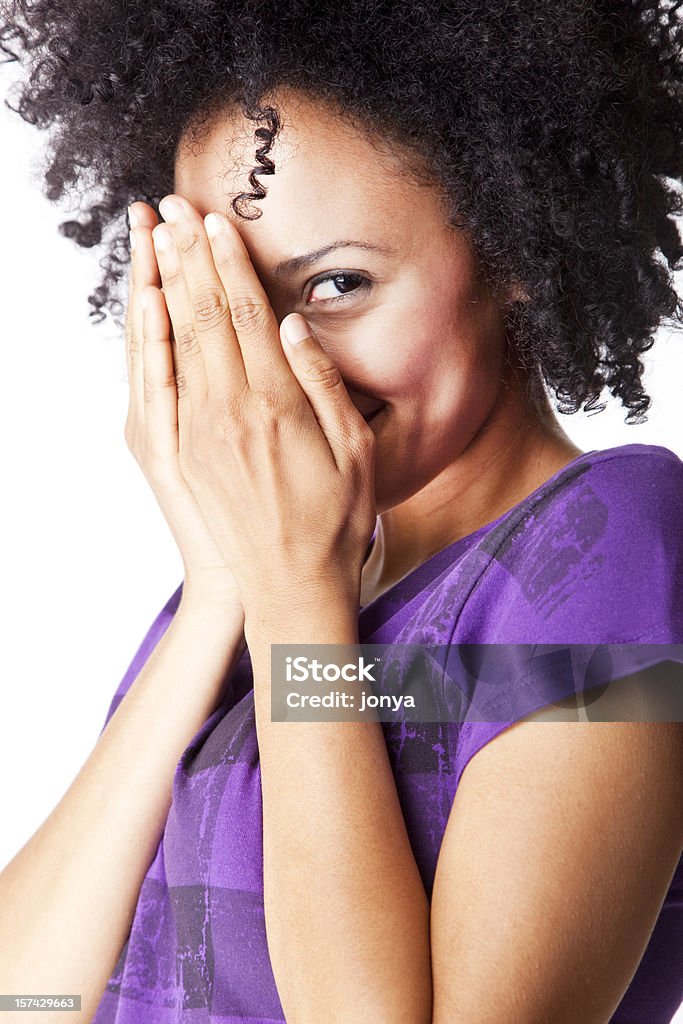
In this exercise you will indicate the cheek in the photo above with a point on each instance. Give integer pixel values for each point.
(436, 353)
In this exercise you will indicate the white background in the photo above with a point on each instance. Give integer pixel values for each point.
(87, 558)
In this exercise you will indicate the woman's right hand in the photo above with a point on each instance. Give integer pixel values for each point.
(151, 430)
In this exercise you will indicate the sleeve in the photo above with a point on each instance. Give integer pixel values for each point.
(149, 642)
(595, 683)
(596, 559)
(586, 589)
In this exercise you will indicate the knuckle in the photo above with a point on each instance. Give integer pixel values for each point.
(233, 426)
(210, 308)
(172, 278)
(134, 344)
(181, 385)
(227, 259)
(246, 312)
(323, 374)
(187, 341)
(229, 414)
(189, 244)
(270, 401)
(150, 387)
(366, 440)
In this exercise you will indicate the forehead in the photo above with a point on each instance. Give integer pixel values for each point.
(327, 170)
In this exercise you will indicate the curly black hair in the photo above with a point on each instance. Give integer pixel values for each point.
(554, 130)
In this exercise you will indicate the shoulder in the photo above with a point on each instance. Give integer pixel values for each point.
(593, 556)
(633, 478)
(594, 496)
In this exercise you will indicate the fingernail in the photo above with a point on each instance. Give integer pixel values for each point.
(132, 218)
(162, 237)
(170, 210)
(214, 224)
(296, 330)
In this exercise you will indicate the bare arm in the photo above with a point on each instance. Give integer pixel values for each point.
(347, 915)
(562, 842)
(68, 897)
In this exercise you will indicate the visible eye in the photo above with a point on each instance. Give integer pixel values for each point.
(343, 281)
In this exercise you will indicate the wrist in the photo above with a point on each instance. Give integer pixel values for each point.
(306, 618)
(209, 611)
(211, 586)
(302, 593)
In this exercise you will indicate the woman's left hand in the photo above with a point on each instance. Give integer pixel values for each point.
(278, 457)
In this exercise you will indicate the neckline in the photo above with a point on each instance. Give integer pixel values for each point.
(432, 565)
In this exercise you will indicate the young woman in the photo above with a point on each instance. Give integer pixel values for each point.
(339, 393)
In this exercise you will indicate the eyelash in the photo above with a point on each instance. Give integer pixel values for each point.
(364, 284)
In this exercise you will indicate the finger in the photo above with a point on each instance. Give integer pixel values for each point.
(190, 369)
(207, 302)
(322, 382)
(132, 397)
(141, 214)
(252, 316)
(160, 392)
(144, 271)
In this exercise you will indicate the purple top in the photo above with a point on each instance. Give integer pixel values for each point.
(593, 556)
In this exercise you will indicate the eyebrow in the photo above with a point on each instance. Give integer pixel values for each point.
(296, 263)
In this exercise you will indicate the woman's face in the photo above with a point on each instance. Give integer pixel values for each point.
(393, 294)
